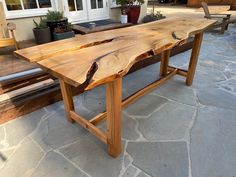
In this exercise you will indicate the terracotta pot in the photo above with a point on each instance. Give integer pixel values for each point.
(133, 14)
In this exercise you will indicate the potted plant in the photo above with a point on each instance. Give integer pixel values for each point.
(55, 19)
(124, 6)
(153, 17)
(131, 8)
(63, 32)
(41, 32)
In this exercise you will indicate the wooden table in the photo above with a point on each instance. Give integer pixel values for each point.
(106, 57)
(82, 30)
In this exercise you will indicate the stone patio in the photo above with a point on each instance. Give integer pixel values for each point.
(174, 131)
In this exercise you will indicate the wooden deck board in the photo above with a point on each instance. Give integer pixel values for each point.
(10, 64)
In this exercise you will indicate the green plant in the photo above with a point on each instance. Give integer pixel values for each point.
(53, 16)
(153, 17)
(129, 2)
(64, 28)
(41, 24)
(126, 3)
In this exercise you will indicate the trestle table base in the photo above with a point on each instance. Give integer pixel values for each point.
(114, 103)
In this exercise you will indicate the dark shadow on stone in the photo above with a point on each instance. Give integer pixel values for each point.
(2, 157)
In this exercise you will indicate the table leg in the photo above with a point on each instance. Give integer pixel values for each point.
(113, 107)
(164, 62)
(194, 58)
(67, 99)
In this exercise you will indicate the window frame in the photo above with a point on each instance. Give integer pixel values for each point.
(24, 13)
(113, 4)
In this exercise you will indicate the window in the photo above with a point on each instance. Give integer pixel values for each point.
(113, 3)
(26, 8)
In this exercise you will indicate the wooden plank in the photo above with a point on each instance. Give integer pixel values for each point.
(113, 107)
(30, 88)
(194, 58)
(104, 56)
(89, 126)
(8, 87)
(7, 42)
(67, 98)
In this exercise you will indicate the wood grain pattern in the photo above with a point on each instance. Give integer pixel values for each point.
(194, 58)
(164, 62)
(113, 106)
(102, 57)
(67, 99)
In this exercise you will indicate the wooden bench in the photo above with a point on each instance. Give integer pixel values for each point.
(223, 19)
(106, 57)
(6, 39)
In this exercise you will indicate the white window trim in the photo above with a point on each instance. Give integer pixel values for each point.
(113, 4)
(24, 13)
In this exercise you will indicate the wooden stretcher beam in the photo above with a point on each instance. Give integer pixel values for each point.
(180, 72)
(127, 101)
(89, 126)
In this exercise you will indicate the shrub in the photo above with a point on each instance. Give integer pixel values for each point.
(153, 17)
(53, 16)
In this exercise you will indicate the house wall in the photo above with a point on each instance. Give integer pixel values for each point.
(24, 28)
(25, 25)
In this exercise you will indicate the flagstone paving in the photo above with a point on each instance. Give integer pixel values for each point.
(174, 131)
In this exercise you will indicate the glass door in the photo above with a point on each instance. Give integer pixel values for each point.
(97, 9)
(75, 10)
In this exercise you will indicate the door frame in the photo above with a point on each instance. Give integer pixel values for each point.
(96, 12)
(87, 14)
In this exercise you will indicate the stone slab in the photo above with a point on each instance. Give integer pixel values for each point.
(142, 174)
(130, 172)
(145, 106)
(4, 156)
(22, 127)
(54, 165)
(168, 159)
(129, 128)
(229, 85)
(216, 97)
(91, 156)
(2, 136)
(176, 90)
(23, 161)
(169, 123)
(213, 143)
(57, 131)
(206, 77)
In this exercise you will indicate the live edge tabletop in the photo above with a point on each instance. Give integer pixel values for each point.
(105, 57)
